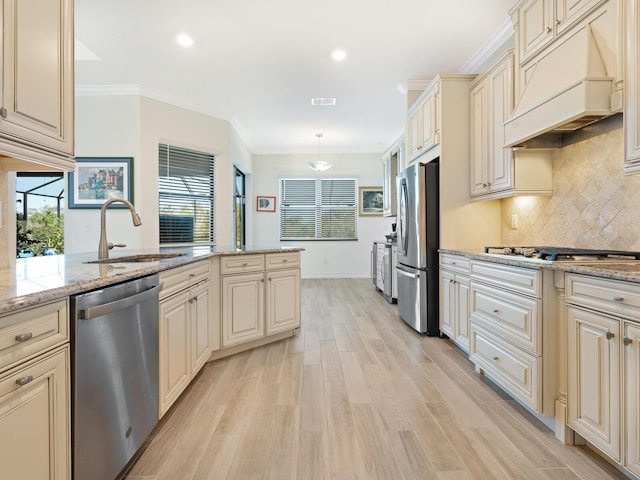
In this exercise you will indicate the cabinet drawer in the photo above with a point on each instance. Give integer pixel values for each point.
(283, 260)
(27, 333)
(513, 316)
(242, 263)
(515, 370)
(608, 296)
(517, 279)
(178, 279)
(455, 263)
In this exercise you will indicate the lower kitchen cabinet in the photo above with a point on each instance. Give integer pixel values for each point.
(260, 296)
(603, 352)
(513, 333)
(283, 305)
(594, 379)
(454, 299)
(35, 419)
(185, 323)
(242, 308)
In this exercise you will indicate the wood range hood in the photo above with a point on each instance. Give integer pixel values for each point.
(567, 89)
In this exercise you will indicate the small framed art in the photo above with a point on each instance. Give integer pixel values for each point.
(265, 204)
(98, 179)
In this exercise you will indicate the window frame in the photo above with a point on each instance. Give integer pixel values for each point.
(319, 208)
(172, 195)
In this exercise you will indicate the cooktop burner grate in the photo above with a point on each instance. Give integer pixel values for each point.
(561, 253)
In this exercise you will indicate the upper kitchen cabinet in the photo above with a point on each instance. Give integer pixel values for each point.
(392, 162)
(36, 113)
(632, 88)
(495, 171)
(542, 20)
(423, 129)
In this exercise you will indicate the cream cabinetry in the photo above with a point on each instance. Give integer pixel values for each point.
(542, 20)
(495, 171)
(34, 393)
(603, 321)
(508, 341)
(631, 116)
(423, 129)
(37, 105)
(260, 296)
(186, 313)
(392, 163)
(454, 299)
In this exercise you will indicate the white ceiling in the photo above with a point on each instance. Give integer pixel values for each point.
(257, 63)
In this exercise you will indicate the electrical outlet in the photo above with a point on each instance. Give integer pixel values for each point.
(514, 221)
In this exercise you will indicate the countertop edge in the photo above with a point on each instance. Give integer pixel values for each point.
(609, 272)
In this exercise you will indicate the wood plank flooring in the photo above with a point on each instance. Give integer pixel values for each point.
(355, 394)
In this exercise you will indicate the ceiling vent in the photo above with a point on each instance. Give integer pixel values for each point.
(323, 101)
(567, 89)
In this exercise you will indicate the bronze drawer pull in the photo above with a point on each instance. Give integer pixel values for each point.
(24, 337)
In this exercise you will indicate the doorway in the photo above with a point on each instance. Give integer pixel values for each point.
(239, 208)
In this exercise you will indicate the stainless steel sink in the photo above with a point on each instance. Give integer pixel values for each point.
(145, 257)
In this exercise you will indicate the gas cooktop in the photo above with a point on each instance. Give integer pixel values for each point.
(559, 254)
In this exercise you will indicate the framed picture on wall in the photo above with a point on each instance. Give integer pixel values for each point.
(98, 179)
(370, 201)
(265, 204)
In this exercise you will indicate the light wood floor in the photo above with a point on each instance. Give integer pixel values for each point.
(354, 394)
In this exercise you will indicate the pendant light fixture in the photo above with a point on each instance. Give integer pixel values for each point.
(319, 165)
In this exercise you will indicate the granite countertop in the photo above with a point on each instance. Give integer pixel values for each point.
(42, 279)
(625, 270)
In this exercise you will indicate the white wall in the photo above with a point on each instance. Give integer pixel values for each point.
(133, 126)
(107, 126)
(321, 259)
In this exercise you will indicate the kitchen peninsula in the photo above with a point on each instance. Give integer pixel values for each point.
(214, 302)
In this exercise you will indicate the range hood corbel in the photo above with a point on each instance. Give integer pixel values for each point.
(568, 89)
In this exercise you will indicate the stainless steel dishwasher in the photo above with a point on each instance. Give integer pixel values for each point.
(114, 375)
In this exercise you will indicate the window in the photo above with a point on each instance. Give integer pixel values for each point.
(318, 209)
(186, 196)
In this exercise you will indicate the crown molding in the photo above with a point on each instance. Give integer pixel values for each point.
(489, 49)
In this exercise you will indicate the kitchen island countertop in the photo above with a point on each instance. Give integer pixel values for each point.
(39, 280)
(625, 270)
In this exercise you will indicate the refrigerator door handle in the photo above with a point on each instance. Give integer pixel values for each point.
(404, 200)
(406, 274)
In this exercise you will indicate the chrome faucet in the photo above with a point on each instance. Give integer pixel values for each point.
(104, 247)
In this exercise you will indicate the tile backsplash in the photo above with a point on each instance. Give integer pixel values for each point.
(593, 204)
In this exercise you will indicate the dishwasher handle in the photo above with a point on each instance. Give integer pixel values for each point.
(106, 308)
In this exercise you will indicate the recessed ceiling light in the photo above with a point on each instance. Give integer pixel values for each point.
(323, 101)
(339, 55)
(184, 40)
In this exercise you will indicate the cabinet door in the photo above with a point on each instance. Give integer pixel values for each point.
(175, 349)
(593, 383)
(501, 95)
(414, 132)
(448, 305)
(536, 26)
(37, 77)
(568, 12)
(283, 300)
(35, 420)
(201, 302)
(479, 138)
(632, 396)
(430, 128)
(462, 311)
(242, 308)
(631, 117)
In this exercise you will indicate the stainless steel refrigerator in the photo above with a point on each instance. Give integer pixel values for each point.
(418, 242)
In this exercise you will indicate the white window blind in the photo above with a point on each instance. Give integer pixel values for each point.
(186, 193)
(318, 209)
